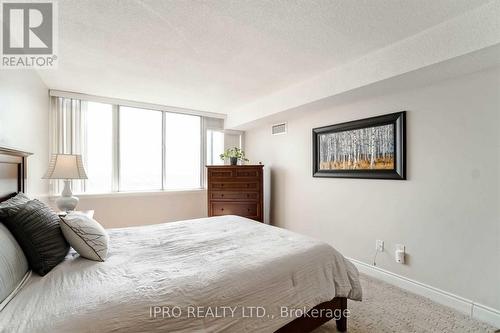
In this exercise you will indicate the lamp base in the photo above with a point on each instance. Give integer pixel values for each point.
(67, 202)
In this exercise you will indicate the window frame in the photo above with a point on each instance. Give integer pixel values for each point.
(116, 145)
(64, 122)
(210, 161)
(62, 139)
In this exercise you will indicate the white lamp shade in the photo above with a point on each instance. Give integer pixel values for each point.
(66, 166)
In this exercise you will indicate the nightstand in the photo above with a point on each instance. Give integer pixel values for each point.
(89, 213)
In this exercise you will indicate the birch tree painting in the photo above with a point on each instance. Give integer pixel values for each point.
(369, 148)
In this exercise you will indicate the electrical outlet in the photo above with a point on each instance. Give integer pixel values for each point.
(379, 245)
(399, 254)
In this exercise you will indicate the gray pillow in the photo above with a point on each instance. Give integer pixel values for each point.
(13, 264)
(17, 200)
(37, 230)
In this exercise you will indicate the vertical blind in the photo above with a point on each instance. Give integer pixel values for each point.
(67, 134)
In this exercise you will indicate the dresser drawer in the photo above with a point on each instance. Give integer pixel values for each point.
(224, 185)
(220, 173)
(234, 196)
(246, 209)
(247, 173)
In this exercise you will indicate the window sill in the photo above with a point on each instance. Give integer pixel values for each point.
(133, 194)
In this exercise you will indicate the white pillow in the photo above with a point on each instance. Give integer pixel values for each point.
(85, 235)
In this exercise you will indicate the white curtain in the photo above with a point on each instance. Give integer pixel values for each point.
(233, 139)
(67, 134)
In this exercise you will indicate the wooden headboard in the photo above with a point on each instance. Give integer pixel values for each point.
(12, 172)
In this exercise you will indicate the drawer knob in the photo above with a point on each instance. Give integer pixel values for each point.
(248, 209)
(248, 195)
(222, 195)
(222, 209)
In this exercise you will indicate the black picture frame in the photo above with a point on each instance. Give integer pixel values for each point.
(398, 120)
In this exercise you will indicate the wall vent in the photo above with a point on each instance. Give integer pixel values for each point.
(279, 129)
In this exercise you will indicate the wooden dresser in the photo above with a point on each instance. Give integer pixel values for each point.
(236, 190)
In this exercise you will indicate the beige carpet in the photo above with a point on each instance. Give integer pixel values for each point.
(386, 308)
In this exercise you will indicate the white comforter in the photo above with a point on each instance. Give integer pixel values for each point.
(206, 273)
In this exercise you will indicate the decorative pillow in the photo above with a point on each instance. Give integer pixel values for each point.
(86, 236)
(13, 264)
(37, 230)
(19, 199)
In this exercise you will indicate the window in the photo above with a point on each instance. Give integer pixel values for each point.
(182, 151)
(98, 146)
(130, 148)
(140, 149)
(215, 147)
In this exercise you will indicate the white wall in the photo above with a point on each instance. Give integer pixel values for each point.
(131, 209)
(24, 113)
(447, 212)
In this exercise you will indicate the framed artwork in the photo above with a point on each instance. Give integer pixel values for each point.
(367, 148)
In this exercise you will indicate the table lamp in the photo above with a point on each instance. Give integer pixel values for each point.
(67, 167)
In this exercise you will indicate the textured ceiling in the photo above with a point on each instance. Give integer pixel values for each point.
(220, 54)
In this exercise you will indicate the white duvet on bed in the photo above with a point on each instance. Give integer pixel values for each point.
(204, 267)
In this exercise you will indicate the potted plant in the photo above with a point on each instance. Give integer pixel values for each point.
(234, 155)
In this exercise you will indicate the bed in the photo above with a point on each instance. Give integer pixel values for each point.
(221, 274)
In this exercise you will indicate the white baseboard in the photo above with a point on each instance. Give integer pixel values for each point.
(486, 314)
(466, 306)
